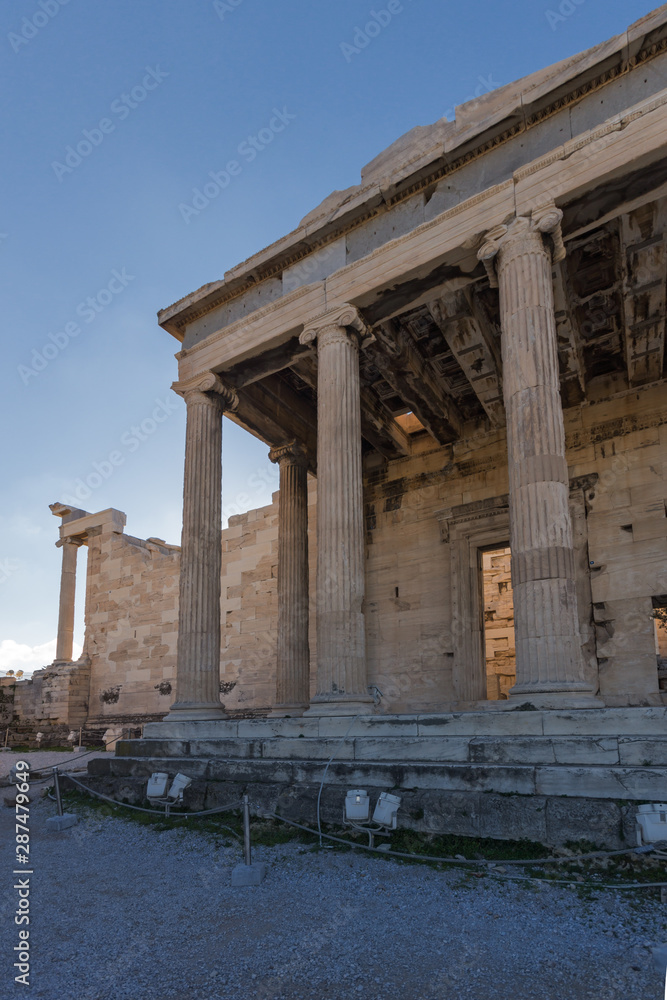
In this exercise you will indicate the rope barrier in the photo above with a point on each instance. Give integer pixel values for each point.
(156, 812)
(457, 862)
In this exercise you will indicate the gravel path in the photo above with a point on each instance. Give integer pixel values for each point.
(47, 758)
(121, 911)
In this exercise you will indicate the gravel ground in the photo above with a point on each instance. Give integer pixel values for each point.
(37, 759)
(123, 911)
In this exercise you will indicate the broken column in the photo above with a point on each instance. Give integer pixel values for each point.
(65, 640)
(293, 661)
(198, 651)
(548, 654)
(341, 653)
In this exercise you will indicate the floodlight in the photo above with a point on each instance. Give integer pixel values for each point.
(357, 805)
(178, 786)
(386, 809)
(157, 786)
(651, 823)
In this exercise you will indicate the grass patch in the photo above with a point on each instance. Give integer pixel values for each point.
(584, 874)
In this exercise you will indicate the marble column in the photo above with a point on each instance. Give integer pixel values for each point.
(342, 686)
(293, 660)
(65, 640)
(548, 650)
(198, 649)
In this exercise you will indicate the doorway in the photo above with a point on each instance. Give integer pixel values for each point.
(498, 620)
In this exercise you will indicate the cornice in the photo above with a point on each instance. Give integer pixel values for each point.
(263, 272)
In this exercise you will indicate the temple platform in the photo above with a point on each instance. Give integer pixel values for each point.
(549, 776)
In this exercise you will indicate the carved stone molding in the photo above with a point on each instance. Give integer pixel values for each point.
(208, 382)
(341, 318)
(544, 219)
(291, 451)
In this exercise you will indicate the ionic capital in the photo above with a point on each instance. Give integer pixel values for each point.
(291, 452)
(204, 385)
(544, 220)
(344, 321)
(77, 542)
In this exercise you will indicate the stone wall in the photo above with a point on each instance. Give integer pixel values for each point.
(624, 441)
(131, 625)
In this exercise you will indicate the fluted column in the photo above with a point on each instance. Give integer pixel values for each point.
(293, 660)
(65, 640)
(198, 650)
(342, 687)
(546, 624)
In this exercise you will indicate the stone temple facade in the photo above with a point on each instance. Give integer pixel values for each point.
(458, 366)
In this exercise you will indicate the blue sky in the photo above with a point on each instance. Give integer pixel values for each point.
(160, 93)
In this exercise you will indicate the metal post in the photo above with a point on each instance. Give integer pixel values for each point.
(79, 736)
(246, 830)
(6, 735)
(56, 784)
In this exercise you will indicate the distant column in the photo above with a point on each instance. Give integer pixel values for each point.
(293, 661)
(341, 653)
(548, 653)
(65, 640)
(198, 650)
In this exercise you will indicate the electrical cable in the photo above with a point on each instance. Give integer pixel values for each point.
(457, 862)
(319, 794)
(155, 812)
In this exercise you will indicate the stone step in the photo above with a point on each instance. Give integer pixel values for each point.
(624, 751)
(598, 722)
(593, 781)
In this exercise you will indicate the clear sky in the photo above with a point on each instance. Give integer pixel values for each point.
(114, 111)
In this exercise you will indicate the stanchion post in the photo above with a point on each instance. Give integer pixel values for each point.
(63, 820)
(246, 830)
(56, 785)
(248, 873)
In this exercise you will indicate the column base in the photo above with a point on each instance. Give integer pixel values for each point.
(572, 696)
(192, 712)
(341, 706)
(291, 711)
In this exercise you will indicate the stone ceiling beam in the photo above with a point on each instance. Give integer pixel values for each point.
(643, 235)
(570, 354)
(269, 363)
(403, 367)
(378, 426)
(274, 413)
(471, 342)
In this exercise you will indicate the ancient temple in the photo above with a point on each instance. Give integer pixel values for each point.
(458, 366)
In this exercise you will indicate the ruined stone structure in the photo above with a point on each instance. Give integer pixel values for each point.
(462, 354)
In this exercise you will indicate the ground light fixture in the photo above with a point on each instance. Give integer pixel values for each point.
(356, 813)
(651, 823)
(156, 790)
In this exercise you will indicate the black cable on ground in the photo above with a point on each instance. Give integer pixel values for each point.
(157, 812)
(457, 862)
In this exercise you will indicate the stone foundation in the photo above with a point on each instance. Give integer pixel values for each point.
(553, 777)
